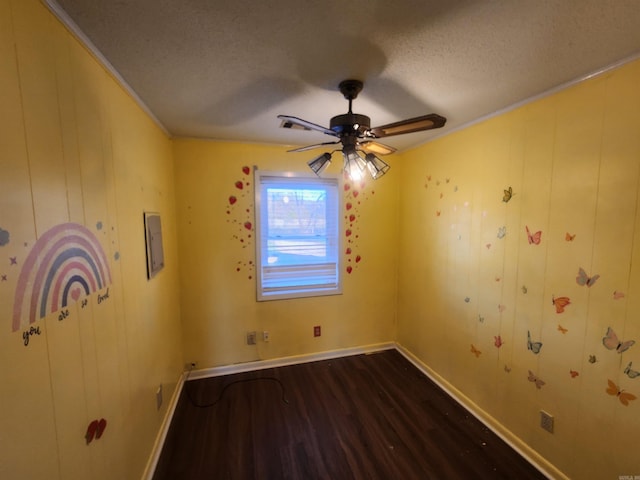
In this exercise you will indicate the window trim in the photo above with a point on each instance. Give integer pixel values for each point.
(316, 291)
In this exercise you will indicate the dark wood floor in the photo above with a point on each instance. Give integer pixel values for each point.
(361, 417)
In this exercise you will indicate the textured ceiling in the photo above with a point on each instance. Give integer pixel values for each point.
(225, 69)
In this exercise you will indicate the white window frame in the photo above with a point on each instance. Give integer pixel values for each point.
(264, 272)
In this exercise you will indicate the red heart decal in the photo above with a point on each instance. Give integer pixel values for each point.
(348, 206)
(247, 225)
(246, 170)
(91, 431)
(355, 193)
(346, 187)
(348, 232)
(358, 258)
(102, 424)
(232, 199)
(239, 185)
(349, 269)
(352, 217)
(348, 252)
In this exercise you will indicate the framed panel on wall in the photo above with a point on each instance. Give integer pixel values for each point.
(153, 240)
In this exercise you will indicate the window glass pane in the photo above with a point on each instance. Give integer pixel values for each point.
(298, 236)
(297, 226)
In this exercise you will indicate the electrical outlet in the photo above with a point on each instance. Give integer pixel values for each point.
(317, 331)
(159, 397)
(265, 336)
(546, 421)
(251, 338)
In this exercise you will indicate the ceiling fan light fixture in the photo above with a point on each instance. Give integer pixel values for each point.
(354, 164)
(353, 130)
(376, 166)
(320, 163)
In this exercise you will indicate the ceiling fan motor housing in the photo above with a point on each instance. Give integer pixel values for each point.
(350, 123)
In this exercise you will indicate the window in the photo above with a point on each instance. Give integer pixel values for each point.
(298, 230)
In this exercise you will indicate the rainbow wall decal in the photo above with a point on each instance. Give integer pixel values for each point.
(67, 262)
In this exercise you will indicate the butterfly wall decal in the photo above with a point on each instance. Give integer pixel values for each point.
(610, 340)
(592, 359)
(502, 231)
(508, 194)
(497, 341)
(631, 373)
(562, 330)
(568, 237)
(537, 381)
(560, 303)
(533, 346)
(573, 373)
(624, 397)
(533, 238)
(475, 351)
(583, 279)
(618, 295)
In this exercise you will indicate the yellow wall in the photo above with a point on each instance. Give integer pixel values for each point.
(217, 276)
(76, 150)
(573, 163)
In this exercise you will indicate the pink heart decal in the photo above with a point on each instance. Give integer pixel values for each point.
(348, 206)
(75, 293)
(247, 225)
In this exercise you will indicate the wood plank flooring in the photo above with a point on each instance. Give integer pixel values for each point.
(362, 417)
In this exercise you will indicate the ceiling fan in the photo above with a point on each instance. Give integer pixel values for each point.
(354, 132)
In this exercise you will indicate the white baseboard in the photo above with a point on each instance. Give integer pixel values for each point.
(282, 362)
(150, 468)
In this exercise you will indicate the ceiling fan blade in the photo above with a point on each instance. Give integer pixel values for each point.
(311, 147)
(370, 146)
(418, 124)
(295, 122)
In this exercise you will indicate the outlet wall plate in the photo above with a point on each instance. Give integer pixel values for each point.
(251, 338)
(546, 421)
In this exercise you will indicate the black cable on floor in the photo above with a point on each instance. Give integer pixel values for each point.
(224, 389)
